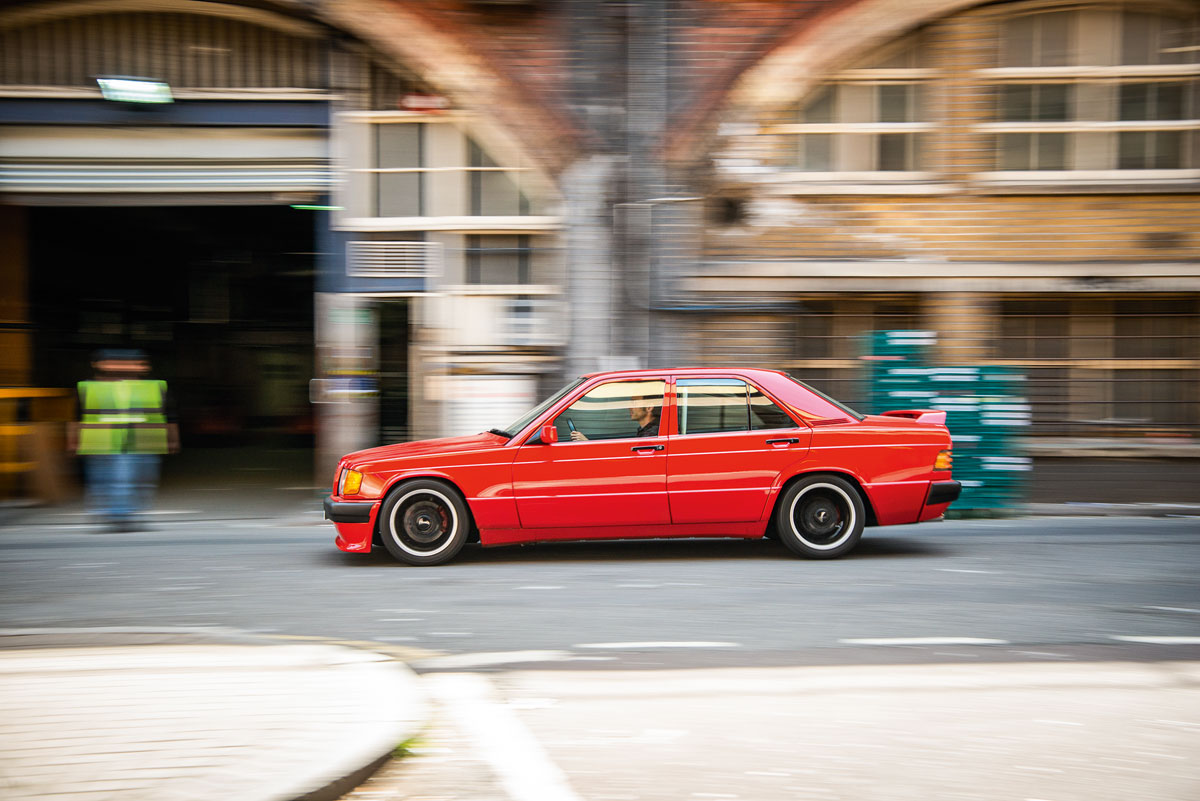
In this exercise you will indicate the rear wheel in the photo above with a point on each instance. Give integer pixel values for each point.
(820, 517)
(424, 522)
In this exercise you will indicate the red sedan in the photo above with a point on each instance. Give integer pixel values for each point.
(653, 453)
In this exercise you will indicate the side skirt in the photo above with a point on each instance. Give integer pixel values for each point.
(512, 536)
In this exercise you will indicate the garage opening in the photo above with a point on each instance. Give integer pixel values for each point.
(221, 299)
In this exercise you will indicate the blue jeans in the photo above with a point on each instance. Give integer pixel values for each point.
(120, 485)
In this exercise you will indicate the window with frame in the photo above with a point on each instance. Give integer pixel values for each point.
(1132, 103)
(498, 259)
(1034, 329)
(725, 405)
(398, 170)
(400, 164)
(871, 118)
(494, 192)
(616, 410)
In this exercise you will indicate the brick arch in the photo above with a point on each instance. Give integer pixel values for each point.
(804, 55)
(510, 125)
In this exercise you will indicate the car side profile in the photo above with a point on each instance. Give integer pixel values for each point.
(690, 452)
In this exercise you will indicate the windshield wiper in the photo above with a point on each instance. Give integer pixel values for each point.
(500, 433)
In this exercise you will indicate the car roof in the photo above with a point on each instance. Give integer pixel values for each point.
(698, 371)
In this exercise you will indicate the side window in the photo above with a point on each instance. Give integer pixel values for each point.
(615, 410)
(765, 414)
(712, 405)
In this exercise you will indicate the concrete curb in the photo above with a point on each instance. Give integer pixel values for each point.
(313, 747)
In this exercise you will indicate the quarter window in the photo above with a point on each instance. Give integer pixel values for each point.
(765, 414)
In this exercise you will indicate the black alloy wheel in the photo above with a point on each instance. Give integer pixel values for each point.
(820, 517)
(424, 522)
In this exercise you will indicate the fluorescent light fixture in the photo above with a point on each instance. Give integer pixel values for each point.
(135, 90)
(310, 207)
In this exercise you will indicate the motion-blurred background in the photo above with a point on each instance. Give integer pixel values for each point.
(335, 224)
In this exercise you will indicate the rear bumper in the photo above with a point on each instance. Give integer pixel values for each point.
(940, 495)
(943, 492)
(354, 521)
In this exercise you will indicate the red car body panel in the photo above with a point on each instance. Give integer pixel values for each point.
(698, 485)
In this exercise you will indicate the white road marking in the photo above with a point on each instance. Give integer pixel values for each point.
(90, 564)
(961, 570)
(1173, 609)
(492, 658)
(524, 768)
(923, 641)
(1159, 640)
(630, 645)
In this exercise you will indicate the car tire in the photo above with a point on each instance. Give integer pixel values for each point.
(424, 522)
(820, 517)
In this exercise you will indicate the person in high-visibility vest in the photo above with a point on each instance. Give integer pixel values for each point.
(123, 431)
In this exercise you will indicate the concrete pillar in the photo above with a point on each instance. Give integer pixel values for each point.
(346, 408)
(965, 325)
(590, 286)
(959, 45)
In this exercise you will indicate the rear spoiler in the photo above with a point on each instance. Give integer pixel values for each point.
(930, 416)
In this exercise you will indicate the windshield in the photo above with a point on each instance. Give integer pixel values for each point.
(821, 394)
(515, 428)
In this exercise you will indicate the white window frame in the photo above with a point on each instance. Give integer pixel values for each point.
(463, 222)
(1110, 77)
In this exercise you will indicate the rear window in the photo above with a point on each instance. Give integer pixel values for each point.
(837, 404)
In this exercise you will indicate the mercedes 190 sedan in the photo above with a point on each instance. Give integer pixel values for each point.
(694, 452)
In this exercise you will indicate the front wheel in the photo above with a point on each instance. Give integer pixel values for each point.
(820, 517)
(424, 522)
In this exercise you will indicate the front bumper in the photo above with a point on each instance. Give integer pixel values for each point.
(354, 521)
(348, 511)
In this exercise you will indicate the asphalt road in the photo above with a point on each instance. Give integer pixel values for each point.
(1051, 658)
(1031, 585)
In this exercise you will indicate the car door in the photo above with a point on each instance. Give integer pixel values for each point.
(729, 444)
(608, 467)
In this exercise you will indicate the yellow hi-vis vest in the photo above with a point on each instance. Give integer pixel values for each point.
(122, 417)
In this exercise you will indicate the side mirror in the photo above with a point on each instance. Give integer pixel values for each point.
(548, 434)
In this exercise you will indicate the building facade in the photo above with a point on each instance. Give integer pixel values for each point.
(416, 217)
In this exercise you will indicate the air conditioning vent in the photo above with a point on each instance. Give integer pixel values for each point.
(366, 259)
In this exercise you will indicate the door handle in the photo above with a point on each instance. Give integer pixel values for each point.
(788, 440)
(647, 447)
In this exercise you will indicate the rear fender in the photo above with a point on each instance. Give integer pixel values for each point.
(930, 416)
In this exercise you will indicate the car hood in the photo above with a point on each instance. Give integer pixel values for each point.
(426, 447)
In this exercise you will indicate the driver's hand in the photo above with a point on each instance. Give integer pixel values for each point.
(578, 436)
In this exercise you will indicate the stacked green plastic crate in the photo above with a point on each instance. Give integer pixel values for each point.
(897, 370)
(987, 414)
(986, 411)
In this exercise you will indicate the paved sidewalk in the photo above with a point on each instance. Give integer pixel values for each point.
(195, 720)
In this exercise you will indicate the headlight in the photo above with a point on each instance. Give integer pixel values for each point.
(944, 461)
(351, 482)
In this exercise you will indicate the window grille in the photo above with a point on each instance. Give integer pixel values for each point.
(393, 259)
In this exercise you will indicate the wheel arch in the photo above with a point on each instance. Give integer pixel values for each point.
(397, 482)
(850, 478)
